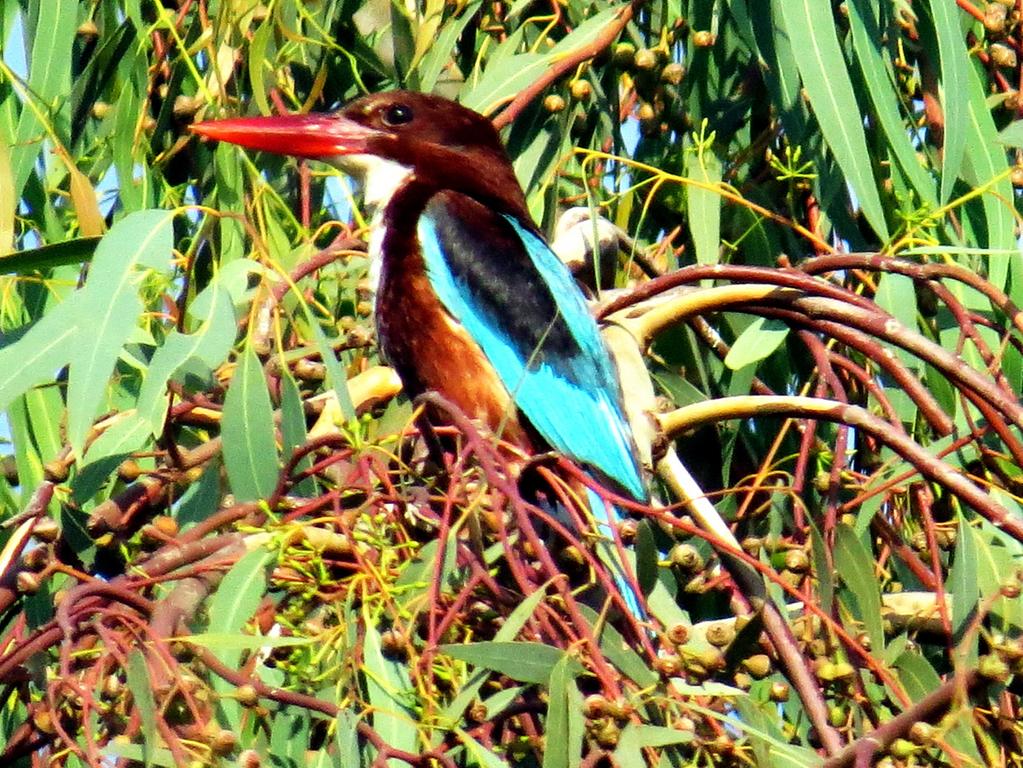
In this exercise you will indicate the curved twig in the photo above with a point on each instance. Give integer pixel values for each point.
(722, 409)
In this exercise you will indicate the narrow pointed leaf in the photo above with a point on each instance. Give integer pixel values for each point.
(127, 434)
(856, 566)
(8, 202)
(826, 79)
(50, 41)
(525, 662)
(509, 73)
(75, 251)
(208, 345)
(238, 595)
(704, 205)
(137, 675)
(346, 738)
(877, 75)
(480, 755)
(954, 90)
(985, 167)
(250, 449)
(918, 679)
(757, 342)
(964, 584)
(387, 688)
(293, 431)
(564, 717)
(336, 378)
(440, 52)
(109, 310)
(233, 604)
(42, 350)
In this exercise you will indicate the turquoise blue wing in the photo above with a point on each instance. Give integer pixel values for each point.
(512, 294)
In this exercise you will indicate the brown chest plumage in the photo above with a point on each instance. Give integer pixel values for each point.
(433, 352)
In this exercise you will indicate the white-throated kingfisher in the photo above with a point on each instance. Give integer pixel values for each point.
(471, 302)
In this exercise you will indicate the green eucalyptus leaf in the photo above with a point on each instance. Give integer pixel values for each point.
(137, 674)
(565, 726)
(78, 250)
(856, 567)
(757, 342)
(955, 65)
(109, 310)
(825, 76)
(250, 449)
(524, 662)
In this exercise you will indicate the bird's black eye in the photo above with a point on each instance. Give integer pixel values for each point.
(397, 114)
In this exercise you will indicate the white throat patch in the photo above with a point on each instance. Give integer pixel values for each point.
(380, 178)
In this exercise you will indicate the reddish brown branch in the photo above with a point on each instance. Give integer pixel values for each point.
(929, 709)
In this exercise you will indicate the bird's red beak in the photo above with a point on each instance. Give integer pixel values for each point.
(310, 136)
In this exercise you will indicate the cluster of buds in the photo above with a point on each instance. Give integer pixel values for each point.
(657, 73)
(1001, 19)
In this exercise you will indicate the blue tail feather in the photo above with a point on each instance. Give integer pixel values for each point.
(608, 517)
